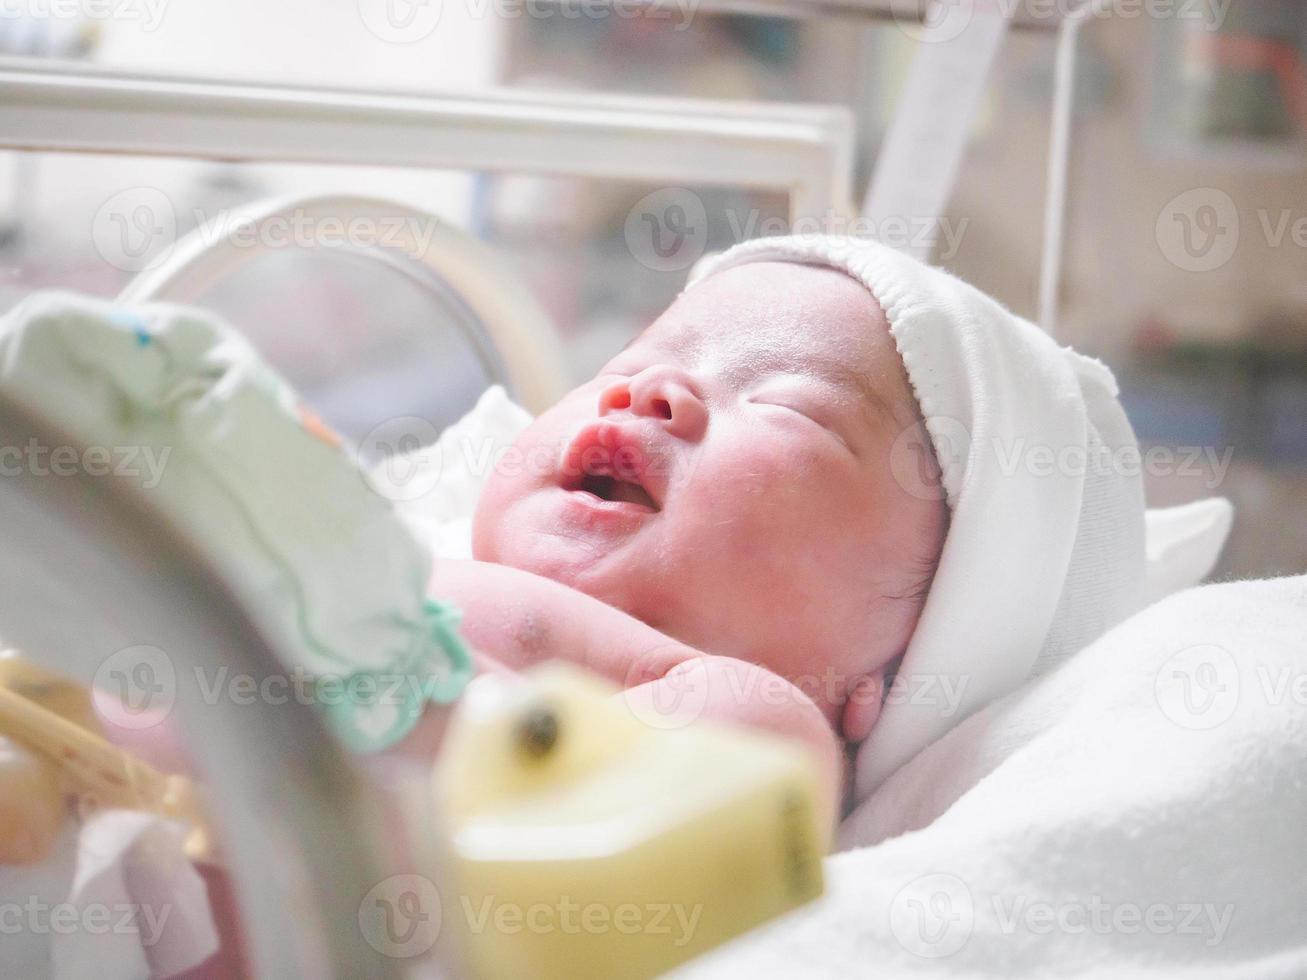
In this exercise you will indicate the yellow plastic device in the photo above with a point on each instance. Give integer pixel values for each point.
(587, 841)
(582, 839)
(52, 747)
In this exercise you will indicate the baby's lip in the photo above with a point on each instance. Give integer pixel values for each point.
(613, 456)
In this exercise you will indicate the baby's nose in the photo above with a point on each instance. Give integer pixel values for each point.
(659, 393)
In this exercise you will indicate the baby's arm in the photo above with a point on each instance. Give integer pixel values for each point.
(517, 619)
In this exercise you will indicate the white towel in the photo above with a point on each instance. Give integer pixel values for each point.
(1138, 812)
(1046, 544)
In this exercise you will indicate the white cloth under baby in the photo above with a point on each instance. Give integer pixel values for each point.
(436, 486)
(1137, 812)
(1045, 549)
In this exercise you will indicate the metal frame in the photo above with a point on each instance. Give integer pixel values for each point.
(804, 150)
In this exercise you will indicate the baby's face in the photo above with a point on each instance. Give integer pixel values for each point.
(726, 479)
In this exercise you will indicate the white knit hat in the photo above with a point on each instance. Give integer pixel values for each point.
(1045, 548)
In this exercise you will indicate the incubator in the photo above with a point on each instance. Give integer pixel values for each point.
(536, 811)
(560, 835)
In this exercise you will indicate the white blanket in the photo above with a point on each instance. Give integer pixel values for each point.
(1141, 811)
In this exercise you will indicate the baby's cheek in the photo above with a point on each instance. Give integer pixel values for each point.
(515, 473)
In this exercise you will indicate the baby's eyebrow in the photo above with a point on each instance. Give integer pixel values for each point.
(869, 394)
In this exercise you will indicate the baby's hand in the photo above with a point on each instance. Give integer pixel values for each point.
(521, 619)
(723, 689)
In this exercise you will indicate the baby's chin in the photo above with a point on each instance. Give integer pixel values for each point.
(533, 544)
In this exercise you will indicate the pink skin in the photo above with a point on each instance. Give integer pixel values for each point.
(754, 514)
(753, 531)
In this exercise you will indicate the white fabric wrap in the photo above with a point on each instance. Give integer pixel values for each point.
(1045, 549)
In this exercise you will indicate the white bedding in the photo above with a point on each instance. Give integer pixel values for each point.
(1089, 824)
(1141, 811)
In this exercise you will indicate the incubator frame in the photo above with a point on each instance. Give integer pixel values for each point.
(804, 150)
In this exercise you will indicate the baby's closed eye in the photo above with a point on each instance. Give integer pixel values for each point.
(806, 408)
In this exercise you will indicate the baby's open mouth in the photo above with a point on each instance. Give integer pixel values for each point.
(612, 488)
(605, 463)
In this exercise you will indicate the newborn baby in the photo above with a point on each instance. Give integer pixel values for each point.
(723, 489)
(824, 464)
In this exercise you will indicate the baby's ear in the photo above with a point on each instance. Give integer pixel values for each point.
(862, 708)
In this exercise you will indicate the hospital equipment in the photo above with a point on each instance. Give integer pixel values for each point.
(83, 552)
(97, 773)
(598, 809)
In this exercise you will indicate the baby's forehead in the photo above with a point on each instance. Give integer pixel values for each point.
(771, 317)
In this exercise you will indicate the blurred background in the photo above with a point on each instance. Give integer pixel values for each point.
(1199, 304)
